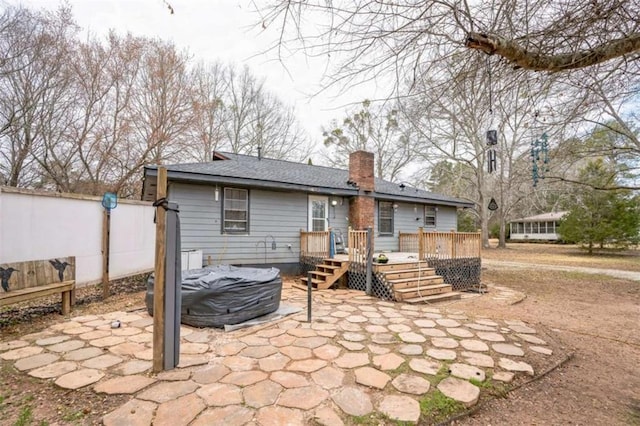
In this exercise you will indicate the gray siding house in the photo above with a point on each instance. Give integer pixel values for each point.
(245, 210)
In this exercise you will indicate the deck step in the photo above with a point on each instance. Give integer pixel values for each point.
(303, 287)
(328, 267)
(409, 273)
(321, 274)
(452, 295)
(387, 267)
(427, 278)
(413, 292)
(313, 281)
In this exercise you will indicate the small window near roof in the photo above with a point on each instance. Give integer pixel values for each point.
(236, 211)
(430, 216)
(385, 218)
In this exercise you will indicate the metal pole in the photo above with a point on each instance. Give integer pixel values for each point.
(369, 259)
(309, 275)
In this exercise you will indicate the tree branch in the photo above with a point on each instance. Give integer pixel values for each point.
(522, 58)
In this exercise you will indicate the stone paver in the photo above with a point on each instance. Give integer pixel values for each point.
(35, 361)
(478, 359)
(133, 413)
(179, 412)
(83, 354)
(389, 361)
(442, 354)
(258, 351)
(474, 345)
(54, 370)
(210, 374)
(425, 366)
(289, 380)
(352, 360)
(220, 394)
(126, 385)
(274, 362)
(400, 408)
(531, 339)
(261, 394)
(353, 401)
(79, 378)
(325, 416)
(233, 415)
(371, 377)
(239, 363)
(503, 376)
(307, 365)
(21, 352)
(541, 350)
(310, 342)
(467, 372)
(433, 332)
(327, 352)
(296, 353)
(328, 377)
(411, 350)
(444, 342)
(411, 337)
(460, 332)
(102, 362)
(385, 339)
(351, 346)
(166, 391)
(447, 322)
(409, 383)
(15, 344)
(425, 323)
(304, 398)
(512, 365)
(490, 336)
(244, 378)
(507, 349)
(460, 390)
(278, 416)
(48, 341)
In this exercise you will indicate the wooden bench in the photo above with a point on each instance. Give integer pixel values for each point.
(23, 281)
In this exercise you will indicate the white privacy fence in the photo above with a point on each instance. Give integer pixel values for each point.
(37, 225)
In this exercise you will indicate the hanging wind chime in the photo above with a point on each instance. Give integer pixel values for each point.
(539, 155)
(492, 139)
(492, 134)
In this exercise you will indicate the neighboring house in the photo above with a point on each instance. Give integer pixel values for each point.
(538, 227)
(246, 210)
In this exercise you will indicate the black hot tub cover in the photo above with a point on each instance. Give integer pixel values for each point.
(224, 294)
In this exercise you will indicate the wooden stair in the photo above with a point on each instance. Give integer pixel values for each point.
(327, 273)
(415, 282)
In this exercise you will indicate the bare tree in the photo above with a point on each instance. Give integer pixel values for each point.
(373, 37)
(377, 129)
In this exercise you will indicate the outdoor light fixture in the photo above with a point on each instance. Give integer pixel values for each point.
(217, 194)
(334, 203)
(395, 206)
(109, 201)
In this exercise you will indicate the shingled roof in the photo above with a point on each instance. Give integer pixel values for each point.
(238, 169)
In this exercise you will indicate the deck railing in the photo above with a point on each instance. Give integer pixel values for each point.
(357, 246)
(314, 244)
(448, 245)
(408, 242)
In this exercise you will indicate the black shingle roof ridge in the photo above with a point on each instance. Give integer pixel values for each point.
(253, 157)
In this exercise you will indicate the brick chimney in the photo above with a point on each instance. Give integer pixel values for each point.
(361, 206)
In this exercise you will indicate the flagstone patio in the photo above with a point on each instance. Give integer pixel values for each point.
(358, 356)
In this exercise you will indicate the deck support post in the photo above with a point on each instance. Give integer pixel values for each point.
(309, 285)
(369, 259)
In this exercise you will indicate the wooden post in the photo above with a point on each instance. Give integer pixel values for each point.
(106, 234)
(420, 244)
(453, 244)
(158, 286)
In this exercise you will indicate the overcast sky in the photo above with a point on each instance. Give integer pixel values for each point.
(220, 30)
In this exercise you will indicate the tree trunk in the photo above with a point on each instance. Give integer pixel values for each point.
(502, 242)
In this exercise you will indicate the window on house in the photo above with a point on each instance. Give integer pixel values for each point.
(235, 211)
(385, 218)
(430, 216)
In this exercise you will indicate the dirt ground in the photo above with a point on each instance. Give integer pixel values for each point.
(598, 319)
(595, 317)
